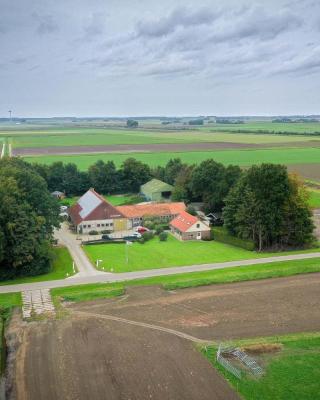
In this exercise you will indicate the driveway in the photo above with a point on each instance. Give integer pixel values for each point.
(69, 239)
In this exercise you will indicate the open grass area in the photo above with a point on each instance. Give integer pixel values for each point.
(236, 157)
(291, 373)
(116, 200)
(8, 300)
(155, 254)
(314, 200)
(193, 279)
(61, 268)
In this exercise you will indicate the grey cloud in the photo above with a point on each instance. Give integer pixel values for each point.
(45, 24)
(179, 17)
(95, 26)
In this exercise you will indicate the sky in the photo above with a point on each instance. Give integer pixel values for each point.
(151, 57)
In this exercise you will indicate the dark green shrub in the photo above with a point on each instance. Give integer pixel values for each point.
(106, 231)
(93, 233)
(158, 229)
(147, 236)
(221, 235)
(163, 236)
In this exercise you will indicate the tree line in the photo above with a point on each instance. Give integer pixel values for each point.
(264, 203)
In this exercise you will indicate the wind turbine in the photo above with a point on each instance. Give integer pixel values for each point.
(10, 114)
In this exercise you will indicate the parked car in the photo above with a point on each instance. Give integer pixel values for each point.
(141, 229)
(133, 236)
(63, 208)
(106, 237)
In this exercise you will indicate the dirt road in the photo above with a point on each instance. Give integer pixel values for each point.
(89, 355)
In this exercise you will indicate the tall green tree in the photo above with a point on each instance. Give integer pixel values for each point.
(133, 174)
(270, 208)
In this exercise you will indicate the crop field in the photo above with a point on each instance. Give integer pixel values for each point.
(137, 344)
(238, 157)
(298, 127)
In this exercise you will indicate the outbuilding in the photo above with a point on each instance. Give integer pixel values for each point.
(188, 227)
(156, 190)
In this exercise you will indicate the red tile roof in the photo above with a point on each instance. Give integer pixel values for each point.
(152, 209)
(184, 221)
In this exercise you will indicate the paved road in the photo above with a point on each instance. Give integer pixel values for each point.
(101, 277)
(84, 266)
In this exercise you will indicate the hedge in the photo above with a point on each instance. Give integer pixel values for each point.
(221, 235)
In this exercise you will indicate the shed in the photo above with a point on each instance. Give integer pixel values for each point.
(156, 190)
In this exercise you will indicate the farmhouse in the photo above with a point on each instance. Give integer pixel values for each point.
(188, 227)
(156, 190)
(93, 213)
(165, 211)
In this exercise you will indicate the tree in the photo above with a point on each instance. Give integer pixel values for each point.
(181, 191)
(104, 176)
(133, 174)
(172, 169)
(131, 123)
(270, 208)
(211, 181)
(27, 217)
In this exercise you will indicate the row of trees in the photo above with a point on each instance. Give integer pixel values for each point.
(28, 214)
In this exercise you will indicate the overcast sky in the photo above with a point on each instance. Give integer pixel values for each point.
(151, 57)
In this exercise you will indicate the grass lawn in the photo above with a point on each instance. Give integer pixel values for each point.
(61, 268)
(116, 200)
(236, 157)
(156, 254)
(292, 373)
(193, 279)
(314, 199)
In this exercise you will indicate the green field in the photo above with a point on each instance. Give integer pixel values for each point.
(61, 268)
(314, 199)
(237, 157)
(291, 373)
(108, 136)
(156, 254)
(192, 279)
(294, 127)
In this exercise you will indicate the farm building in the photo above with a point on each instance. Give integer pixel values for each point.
(156, 190)
(58, 195)
(165, 211)
(93, 213)
(188, 227)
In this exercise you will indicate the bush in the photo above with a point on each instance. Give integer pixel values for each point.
(106, 231)
(158, 229)
(191, 210)
(163, 236)
(147, 236)
(141, 240)
(221, 235)
(93, 233)
(149, 224)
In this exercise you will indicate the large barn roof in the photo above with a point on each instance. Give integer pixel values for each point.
(151, 209)
(155, 185)
(92, 207)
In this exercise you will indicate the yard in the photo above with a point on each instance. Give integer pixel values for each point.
(314, 199)
(61, 268)
(155, 254)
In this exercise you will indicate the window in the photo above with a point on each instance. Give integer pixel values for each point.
(84, 226)
(111, 224)
(89, 226)
(102, 224)
(198, 225)
(98, 225)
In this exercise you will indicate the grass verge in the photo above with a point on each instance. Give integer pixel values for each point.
(61, 268)
(291, 373)
(194, 279)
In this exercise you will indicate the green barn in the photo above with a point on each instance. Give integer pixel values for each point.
(156, 190)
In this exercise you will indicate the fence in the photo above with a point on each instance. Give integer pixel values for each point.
(226, 364)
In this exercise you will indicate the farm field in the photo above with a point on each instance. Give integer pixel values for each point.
(115, 353)
(155, 254)
(238, 157)
(292, 127)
